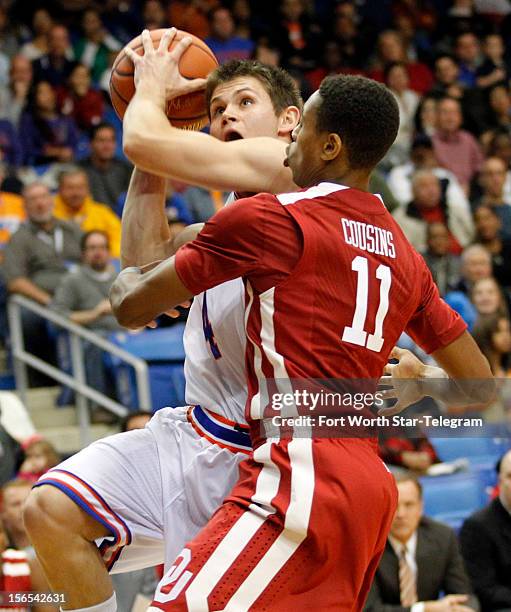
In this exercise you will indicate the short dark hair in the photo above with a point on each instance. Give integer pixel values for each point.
(422, 141)
(363, 113)
(101, 126)
(85, 237)
(70, 170)
(409, 477)
(280, 86)
(450, 56)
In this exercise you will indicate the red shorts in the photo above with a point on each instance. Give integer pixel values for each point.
(303, 529)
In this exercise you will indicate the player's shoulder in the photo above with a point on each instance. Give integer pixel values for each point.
(245, 210)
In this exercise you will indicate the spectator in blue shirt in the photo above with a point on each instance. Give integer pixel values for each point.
(46, 136)
(10, 149)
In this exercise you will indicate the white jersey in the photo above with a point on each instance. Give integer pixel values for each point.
(214, 341)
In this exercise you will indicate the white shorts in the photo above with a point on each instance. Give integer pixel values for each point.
(154, 488)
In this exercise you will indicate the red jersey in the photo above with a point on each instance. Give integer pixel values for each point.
(331, 283)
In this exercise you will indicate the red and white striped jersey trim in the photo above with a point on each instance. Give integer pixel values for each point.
(296, 523)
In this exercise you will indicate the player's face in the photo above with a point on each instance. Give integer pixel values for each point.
(303, 154)
(242, 108)
(408, 513)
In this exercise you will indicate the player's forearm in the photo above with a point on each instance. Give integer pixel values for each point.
(145, 230)
(470, 380)
(143, 121)
(454, 393)
(248, 165)
(137, 299)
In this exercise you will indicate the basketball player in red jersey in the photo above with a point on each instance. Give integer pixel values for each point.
(331, 283)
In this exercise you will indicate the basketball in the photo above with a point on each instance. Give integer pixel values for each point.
(186, 111)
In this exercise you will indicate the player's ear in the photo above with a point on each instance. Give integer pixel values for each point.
(288, 120)
(332, 147)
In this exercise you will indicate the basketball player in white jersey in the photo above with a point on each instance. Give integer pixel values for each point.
(132, 500)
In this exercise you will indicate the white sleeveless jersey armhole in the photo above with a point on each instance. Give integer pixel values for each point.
(217, 383)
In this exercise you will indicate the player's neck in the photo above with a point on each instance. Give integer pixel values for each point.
(356, 179)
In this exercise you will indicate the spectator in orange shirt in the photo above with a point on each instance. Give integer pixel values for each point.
(12, 215)
(74, 203)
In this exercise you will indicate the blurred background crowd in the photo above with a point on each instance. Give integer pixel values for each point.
(447, 180)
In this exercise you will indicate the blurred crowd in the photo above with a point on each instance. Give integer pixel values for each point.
(447, 180)
(25, 456)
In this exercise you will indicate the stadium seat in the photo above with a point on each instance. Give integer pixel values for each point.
(488, 446)
(164, 352)
(461, 494)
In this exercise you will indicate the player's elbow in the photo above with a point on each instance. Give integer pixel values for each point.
(124, 308)
(133, 145)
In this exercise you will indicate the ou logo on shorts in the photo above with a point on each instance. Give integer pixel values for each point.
(175, 580)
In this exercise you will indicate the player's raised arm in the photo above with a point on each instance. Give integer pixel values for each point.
(252, 165)
(145, 230)
(145, 233)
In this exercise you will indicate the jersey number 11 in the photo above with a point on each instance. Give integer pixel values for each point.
(356, 334)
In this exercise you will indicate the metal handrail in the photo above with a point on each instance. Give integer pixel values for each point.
(77, 382)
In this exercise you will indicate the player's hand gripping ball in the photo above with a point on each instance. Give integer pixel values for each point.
(194, 60)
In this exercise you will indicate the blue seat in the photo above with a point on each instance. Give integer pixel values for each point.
(455, 447)
(458, 493)
(453, 519)
(165, 344)
(164, 352)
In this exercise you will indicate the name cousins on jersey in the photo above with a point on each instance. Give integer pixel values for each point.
(357, 420)
(368, 237)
